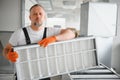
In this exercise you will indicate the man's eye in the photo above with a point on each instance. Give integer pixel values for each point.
(35, 14)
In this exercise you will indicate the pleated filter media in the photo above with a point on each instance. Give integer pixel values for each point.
(59, 58)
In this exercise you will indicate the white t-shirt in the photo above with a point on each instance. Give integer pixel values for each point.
(18, 37)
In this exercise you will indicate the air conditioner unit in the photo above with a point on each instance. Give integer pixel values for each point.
(98, 19)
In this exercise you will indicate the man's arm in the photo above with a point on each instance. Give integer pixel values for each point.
(65, 34)
(9, 53)
(7, 48)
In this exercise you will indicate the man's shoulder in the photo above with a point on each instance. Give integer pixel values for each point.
(19, 30)
(25, 27)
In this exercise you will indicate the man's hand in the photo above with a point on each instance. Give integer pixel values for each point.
(47, 41)
(12, 56)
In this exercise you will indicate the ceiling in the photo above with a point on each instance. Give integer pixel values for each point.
(63, 6)
(59, 4)
(60, 8)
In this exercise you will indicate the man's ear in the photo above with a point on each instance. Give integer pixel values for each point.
(45, 16)
(29, 17)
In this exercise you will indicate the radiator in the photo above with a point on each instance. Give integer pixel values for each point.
(58, 58)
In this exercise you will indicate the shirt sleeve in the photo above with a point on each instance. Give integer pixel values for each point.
(15, 37)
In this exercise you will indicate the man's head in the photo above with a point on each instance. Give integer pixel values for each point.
(37, 15)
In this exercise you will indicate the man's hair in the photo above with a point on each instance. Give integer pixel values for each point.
(36, 5)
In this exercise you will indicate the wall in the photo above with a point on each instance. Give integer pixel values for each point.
(4, 37)
(9, 15)
(116, 42)
(10, 20)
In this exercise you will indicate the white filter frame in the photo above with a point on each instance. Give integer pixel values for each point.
(59, 58)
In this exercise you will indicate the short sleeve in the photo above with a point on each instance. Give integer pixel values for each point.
(15, 37)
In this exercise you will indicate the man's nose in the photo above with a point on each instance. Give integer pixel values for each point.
(38, 15)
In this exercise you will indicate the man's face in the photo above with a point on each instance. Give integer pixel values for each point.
(37, 15)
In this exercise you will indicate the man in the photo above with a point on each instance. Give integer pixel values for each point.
(37, 33)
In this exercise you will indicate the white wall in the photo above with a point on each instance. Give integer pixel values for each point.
(9, 15)
(10, 18)
(116, 42)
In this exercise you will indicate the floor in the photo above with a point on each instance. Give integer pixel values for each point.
(98, 73)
